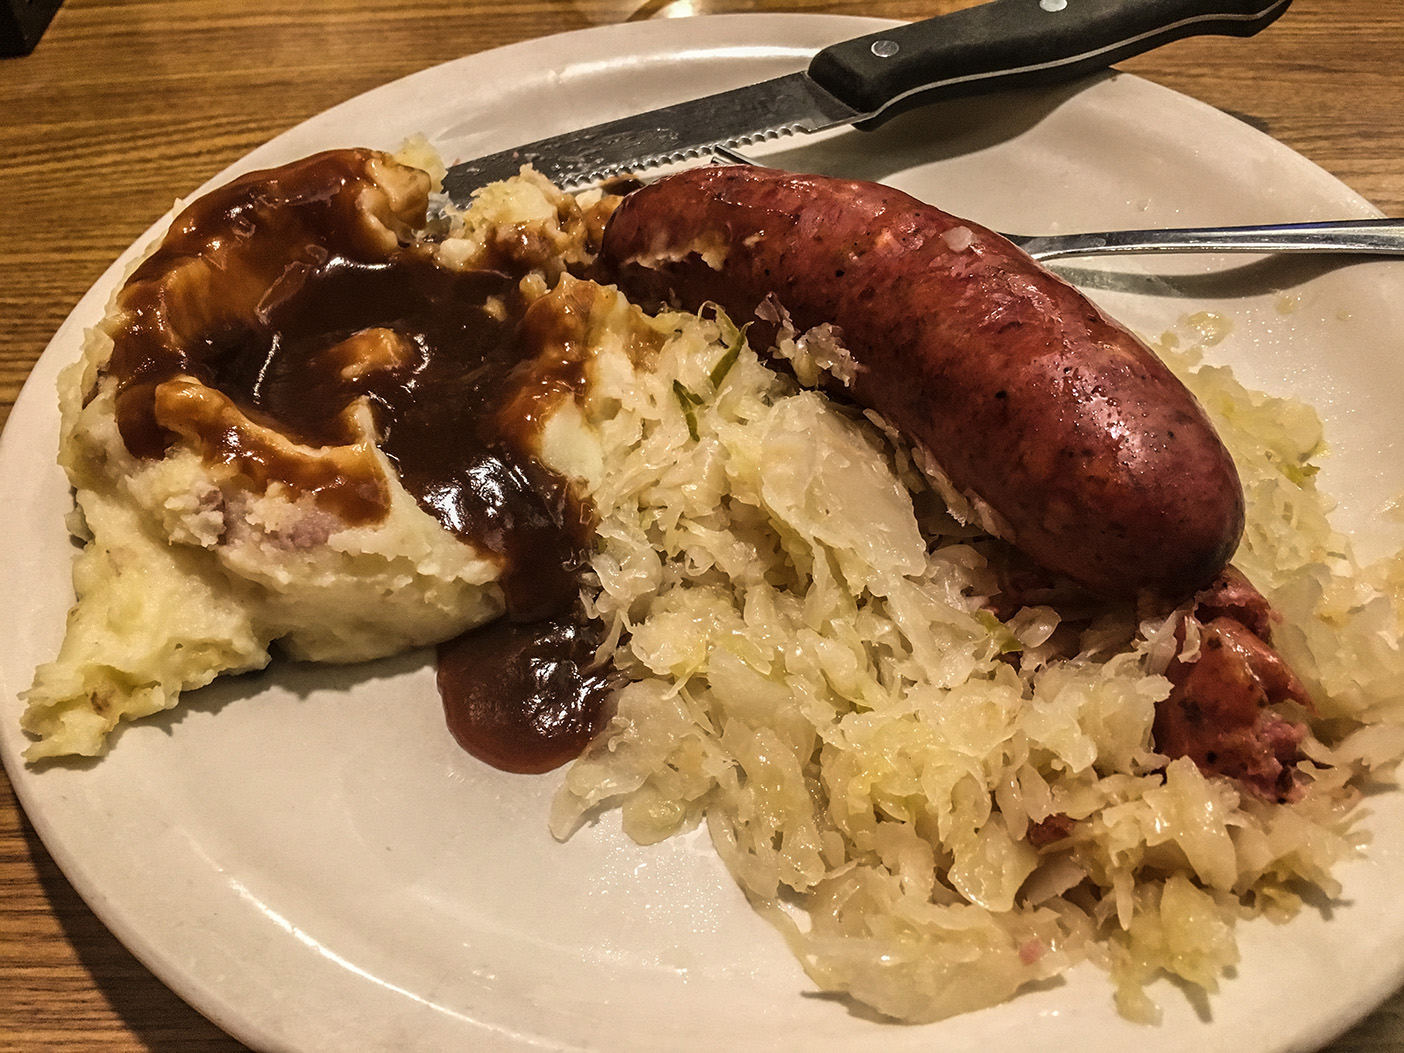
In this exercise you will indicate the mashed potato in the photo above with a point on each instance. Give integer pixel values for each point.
(193, 566)
(935, 805)
(185, 575)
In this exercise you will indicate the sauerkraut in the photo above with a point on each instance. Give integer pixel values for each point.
(934, 806)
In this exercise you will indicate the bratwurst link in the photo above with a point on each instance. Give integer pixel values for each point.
(1068, 434)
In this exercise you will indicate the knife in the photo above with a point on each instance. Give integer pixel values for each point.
(864, 81)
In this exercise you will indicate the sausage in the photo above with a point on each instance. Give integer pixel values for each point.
(1075, 441)
(1227, 708)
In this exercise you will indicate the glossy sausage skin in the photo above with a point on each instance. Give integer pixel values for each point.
(1099, 462)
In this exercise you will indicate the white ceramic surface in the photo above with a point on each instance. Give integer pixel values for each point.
(306, 857)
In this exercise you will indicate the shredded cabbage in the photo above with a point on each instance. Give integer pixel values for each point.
(932, 807)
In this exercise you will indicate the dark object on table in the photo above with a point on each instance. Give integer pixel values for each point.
(22, 23)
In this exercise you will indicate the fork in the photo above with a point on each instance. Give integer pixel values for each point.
(1373, 237)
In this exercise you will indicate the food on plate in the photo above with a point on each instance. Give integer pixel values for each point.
(1035, 415)
(941, 768)
(304, 423)
(1225, 708)
(1062, 431)
(937, 793)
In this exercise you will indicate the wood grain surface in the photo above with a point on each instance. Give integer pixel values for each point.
(127, 104)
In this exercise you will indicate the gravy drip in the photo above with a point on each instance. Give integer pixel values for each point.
(276, 315)
(525, 697)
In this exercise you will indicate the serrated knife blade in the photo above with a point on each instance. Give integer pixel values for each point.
(782, 106)
(864, 81)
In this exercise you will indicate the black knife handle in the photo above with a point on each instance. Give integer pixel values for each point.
(1016, 43)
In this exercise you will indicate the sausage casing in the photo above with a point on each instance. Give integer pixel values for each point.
(1092, 456)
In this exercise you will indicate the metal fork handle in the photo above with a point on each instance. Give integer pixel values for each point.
(1380, 237)
(1374, 237)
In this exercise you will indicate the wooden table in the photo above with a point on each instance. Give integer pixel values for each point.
(127, 103)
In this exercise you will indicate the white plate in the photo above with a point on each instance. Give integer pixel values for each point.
(306, 857)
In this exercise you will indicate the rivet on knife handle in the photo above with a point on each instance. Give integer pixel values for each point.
(1014, 43)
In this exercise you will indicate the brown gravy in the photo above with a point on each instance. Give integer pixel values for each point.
(270, 312)
(525, 697)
